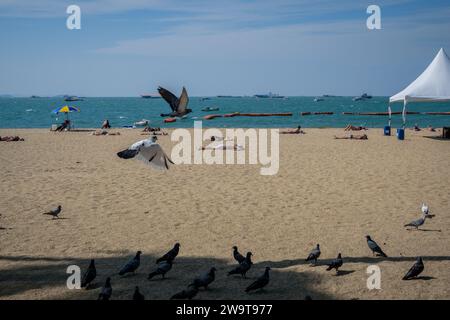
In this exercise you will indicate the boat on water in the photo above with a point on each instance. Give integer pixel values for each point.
(141, 123)
(209, 109)
(72, 98)
(318, 99)
(365, 96)
(270, 95)
(150, 96)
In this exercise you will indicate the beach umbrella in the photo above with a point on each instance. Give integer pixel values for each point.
(66, 110)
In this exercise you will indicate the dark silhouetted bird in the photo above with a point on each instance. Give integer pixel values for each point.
(237, 256)
(132, 265)
(106, 291)
(89, 275)
(314, 255)
(415, 270)
(204, 280)
(336, 263)
(260, 283)
(54, 212)
(137, 296)
(162, 269)
(243, 267)
(375, 247)
(178, 105)
(171, 255)
(188, 294)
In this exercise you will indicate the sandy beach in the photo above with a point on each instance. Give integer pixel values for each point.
(327, 191)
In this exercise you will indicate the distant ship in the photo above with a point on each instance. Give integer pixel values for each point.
(270, 95)
(150, 96)
(72, 98)
(318, 99)
(365, 96)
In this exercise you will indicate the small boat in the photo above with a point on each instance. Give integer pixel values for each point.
(72, 98)
(141, 123)
(318, 99)
(365, 96)
(150, 96)
(170, 120)
(209, 109)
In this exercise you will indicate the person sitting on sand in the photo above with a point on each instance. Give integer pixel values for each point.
(106, 124)
(416, 127)
(354, 137)
(294, 131)
(431, 128)
(354, 128)
(63, 126)
(11, 138)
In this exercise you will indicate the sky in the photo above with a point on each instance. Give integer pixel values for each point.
(233, 47)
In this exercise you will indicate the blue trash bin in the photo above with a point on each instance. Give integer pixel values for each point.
(401, 134)
(387, 131)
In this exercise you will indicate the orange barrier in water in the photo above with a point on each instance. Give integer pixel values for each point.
(231, 115)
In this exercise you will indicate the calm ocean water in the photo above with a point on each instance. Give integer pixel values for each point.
(36, 113)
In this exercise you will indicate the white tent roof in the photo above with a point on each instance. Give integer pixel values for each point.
(432, 85)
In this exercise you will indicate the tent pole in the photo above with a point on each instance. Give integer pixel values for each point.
(390, 114)
(405, 102)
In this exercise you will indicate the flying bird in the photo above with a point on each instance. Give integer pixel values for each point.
(260, 283)
(54, 212)
(314, 255)
(243, 267)
(137, 296)
(106, 292)
(89, 275)
(204, 280)
(188, 294)
(162, 269)
(237, 256)
(415, 270)
(375, 247)
(171, 255)
(336, 264)
(178, 105)
(149, 152)
(132, 265)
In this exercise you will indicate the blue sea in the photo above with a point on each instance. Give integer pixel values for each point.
(37, 112)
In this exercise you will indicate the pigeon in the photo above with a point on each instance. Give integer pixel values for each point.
(132, 265)
(336, 264)
(417, 223)
(206, 279)
(375, 247)
(162, 269)
(426, 211)
(137, 296)
(171, 255)
(415, 270)
(260, 283)
(54, 212)
(237, 256)
(89, 275)
(106, 292)
(243, 267)
(178, 105)
(314, 255)
(188, 294)
(149, 152)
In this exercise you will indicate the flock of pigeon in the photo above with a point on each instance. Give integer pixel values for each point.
(165, 263)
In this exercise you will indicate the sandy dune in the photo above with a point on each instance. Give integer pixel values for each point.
(327, 191)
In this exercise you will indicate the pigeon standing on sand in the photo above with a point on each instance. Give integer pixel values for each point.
(149, 152)
(188, 294)
(206, 279)
(89, 275)
(162, 269)
(106, 292)
(54, 212)
(137, 296)
(314, 254)
(415, 270)
(171, 255)
(417, 223)
(375, 247)
(336, 264)
(237, 256)
(260, 283)
(243, 267)
(132, 265)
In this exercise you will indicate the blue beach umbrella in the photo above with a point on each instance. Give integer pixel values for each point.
(66, 110)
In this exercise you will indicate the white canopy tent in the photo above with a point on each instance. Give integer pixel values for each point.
(431, 86)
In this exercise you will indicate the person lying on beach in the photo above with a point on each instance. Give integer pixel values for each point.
(105, 133)
(106, 124)
(235, 147)
(353, 128)
(11, 138)
(354, 137)
(63, 126)
(150, 129)
(214, 138)
(430, 128)
(293, 131)
(155, 133)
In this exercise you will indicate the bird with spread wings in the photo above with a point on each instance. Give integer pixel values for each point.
(178, 105)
